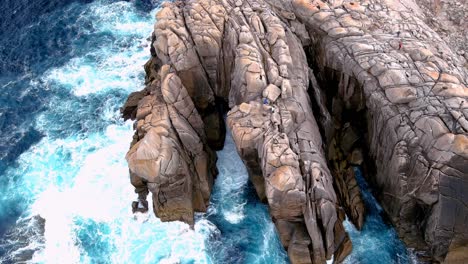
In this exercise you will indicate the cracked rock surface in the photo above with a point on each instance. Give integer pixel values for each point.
(450, 20)
(255, 57)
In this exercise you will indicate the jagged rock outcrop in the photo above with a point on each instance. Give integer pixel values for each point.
(386, 91)
(169, 155)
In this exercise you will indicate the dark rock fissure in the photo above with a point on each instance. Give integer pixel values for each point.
(354, 116)
(349, 126)
(344, 127)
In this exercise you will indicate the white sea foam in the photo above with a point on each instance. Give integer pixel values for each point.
(82, 179)
(232, 179)
(78, 182)
(111, 66)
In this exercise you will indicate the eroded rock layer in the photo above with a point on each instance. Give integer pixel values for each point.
(374, 59)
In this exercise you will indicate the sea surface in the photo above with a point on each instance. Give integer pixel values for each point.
(66, 68)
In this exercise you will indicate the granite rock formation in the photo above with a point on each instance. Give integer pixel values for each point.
(312, 88)
(450, 20)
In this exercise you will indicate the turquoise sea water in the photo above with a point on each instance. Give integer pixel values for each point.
(67, 67)
(377, 242)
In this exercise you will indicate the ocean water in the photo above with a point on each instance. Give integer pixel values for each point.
(244, 232)
(64, 181)
(377, 242)
(66, 68)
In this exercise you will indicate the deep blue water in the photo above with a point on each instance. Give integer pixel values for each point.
(377, 242)
(245, 233)
(66, 68)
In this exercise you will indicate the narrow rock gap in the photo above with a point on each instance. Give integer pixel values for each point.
(346, 143)
(345, 133)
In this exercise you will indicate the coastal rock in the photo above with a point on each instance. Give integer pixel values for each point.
(417, 146)
(171, 158)
(314, 88)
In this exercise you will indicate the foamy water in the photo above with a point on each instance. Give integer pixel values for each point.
(76, 177)
(79, 183)
(377, 241)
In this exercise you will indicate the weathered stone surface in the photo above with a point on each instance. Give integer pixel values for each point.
(280, 136)
(272, 92)
(400, 64)
(129, 110)
(385, 88)
(449, 20)
(170, 157)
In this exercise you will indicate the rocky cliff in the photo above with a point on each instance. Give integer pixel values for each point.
(311, 88)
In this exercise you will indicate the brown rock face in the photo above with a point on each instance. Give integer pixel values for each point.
(386, 91)
(170, 157)
(415, 98)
